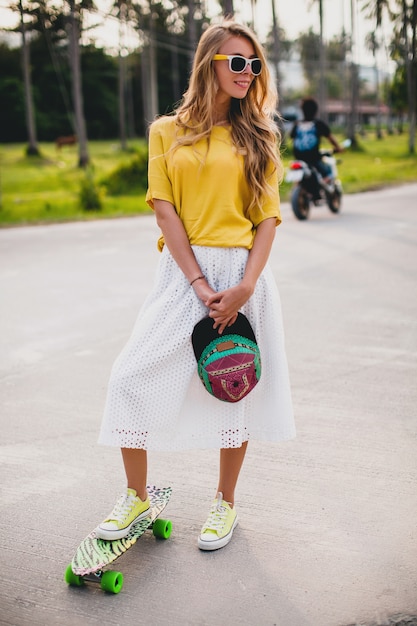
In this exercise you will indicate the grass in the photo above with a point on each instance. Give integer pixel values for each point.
(46, 189)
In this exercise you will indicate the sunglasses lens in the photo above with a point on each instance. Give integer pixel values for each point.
(237, 64)
(256, 67)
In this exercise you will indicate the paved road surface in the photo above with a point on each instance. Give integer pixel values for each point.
(328, 521)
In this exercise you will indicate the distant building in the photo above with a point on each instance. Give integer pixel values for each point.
(339, 110)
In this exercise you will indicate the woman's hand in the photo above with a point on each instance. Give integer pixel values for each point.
(203, 290)
(224, 305)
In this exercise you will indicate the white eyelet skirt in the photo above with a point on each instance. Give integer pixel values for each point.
(155, 399)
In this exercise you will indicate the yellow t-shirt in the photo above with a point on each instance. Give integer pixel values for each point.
(208, 189)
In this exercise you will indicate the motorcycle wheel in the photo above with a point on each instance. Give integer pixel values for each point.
(334, 200)
(300, 203)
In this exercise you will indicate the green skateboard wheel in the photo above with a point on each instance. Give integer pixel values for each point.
(112, 581)
(73, 579)
(162, 528)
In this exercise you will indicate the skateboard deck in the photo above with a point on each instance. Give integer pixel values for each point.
(94, 554)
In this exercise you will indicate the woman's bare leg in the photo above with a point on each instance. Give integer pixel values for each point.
(136, 468)
(231, 460)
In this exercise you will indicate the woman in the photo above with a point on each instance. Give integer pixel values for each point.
(213, 184)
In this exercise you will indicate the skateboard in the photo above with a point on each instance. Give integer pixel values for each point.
(93, 555)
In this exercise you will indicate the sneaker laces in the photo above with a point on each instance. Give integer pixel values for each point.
(123, 507)
(217, 516)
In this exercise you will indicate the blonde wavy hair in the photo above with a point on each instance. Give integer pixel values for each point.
(254, 131)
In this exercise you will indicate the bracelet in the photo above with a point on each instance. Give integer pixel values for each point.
(198, 278)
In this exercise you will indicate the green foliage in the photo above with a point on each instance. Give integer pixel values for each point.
(52, 97)
(130, 176)
(12, 107)
(398, 91)
(51, 80)
(308, 45)
(336, 48)
(100, 93)
(89, 196)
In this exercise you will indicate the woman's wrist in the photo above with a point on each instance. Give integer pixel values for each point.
(200, 277)
(248, 285)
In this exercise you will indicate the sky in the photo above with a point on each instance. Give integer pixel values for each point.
(294, 16)
(297, 16)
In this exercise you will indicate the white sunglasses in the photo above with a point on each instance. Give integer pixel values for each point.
(238, 64)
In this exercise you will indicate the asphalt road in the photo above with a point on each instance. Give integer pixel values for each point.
(328, 532)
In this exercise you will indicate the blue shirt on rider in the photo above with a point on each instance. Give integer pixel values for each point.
(306, 137)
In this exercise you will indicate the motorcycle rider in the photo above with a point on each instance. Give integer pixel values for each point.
(306, 135)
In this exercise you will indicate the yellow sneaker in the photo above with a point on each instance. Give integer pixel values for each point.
(219, 527)
(128, 510)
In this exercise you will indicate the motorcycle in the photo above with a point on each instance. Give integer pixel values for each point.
(310, 186)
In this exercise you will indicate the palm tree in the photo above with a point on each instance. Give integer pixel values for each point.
(275, 35)
(153, 68)
(354, 80)
(403, 14)
(32, 148)
(192, 30)
(228, 9)
(75, 61)
(127, 15)
(408, 35)
(376, 10)
(122, 8)
(372, 45)
(322, 66)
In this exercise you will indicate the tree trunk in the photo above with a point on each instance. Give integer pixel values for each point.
(228, 8)
(322, 67)
(412, 79)
(275, 56)
(83, 157)
(192, 31)
(378, 101)
(131, 132)
(354, 84)
(122, 100)
(32, 149)
(145, 83)
(122, 78)
(175, 70)
(153, 73)
(353, 117)
(409, 17)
